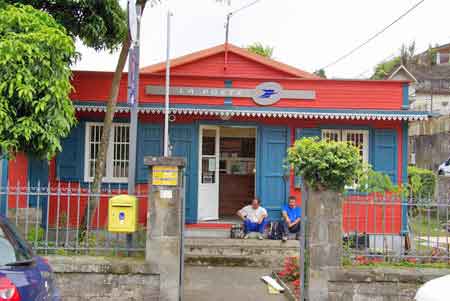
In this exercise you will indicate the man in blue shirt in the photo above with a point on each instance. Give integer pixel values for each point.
(291, 218)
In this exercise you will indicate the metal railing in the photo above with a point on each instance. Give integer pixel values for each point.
(392, 228)
(53, 218)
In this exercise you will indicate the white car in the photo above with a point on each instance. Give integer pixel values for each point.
(444, 168)
(434, 290)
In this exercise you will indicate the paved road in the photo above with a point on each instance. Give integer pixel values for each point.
(226, 283)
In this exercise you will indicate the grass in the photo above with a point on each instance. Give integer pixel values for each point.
(402, 264)
(424, 225)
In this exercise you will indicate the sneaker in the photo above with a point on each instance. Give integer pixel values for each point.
(284, 238)
(260, 237)
(245, 236)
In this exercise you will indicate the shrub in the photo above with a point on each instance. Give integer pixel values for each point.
(372, 181)
(325, 164)
(422, 182)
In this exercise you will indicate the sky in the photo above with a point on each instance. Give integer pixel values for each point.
(305, 34)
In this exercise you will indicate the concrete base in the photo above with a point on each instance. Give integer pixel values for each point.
(86, 278)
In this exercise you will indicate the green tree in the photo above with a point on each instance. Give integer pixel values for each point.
(320, 73)
(260, 49)
(98, 24)
(406, 58)
(35, 109)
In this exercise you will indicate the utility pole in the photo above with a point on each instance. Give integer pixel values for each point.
(227, 27)
(134, 19)
(167, 94)
(133, 88)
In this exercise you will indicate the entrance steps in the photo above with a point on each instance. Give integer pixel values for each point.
(208, 230)
(239, 252)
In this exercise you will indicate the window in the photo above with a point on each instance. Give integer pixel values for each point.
(117, 159)
(359, 138)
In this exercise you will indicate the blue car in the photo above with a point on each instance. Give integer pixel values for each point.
(23, 275)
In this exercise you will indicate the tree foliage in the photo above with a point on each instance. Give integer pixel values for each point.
(260, 49)
(407, 58)
(325, 164)
(422, 182)
(99, 24)
(383, 69)
(371, 181)
(320, 73)
(35, 55)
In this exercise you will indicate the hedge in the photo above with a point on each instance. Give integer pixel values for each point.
(422, 182)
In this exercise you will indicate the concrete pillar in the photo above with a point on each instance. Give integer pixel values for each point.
(324, 240)
(164, 223)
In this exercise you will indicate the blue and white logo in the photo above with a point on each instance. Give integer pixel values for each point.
(267, 94)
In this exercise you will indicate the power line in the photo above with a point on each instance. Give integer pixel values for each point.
(232, 13)
(245, 7)
(391, 56)
(373, 36)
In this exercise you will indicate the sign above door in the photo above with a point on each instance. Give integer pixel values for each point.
(265, 94)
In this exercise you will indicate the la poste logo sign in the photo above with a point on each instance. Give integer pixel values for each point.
(265, 94)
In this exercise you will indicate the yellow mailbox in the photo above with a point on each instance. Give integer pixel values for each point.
(122, 214)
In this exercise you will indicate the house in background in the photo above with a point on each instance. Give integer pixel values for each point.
(430, 83)
(233, 116)
(429, 90)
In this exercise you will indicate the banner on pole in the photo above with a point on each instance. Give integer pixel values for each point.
(132, 75)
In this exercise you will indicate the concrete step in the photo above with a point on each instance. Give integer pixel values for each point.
(239, 252)
(207, 233)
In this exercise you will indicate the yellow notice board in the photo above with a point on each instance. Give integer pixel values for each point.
(165, 175)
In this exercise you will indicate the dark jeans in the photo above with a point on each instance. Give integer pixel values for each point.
(295, 229)
(249, 226)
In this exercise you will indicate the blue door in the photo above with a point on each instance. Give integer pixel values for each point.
(273, 180)
(184, 142)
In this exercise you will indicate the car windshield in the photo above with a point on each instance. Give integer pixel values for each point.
(12, 247)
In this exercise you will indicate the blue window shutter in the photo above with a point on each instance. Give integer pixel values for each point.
(184, 141)
(385, 152)
(304, 133)
(4, 182)
(70, 161)
(37, 177)
(149, 142)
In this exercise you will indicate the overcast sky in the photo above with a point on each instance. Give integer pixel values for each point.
(305, 34)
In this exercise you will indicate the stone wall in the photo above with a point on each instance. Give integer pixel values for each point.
(104, 279)
(378, 284)
(430, 141)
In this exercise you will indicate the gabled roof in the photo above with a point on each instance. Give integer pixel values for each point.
(202, 54)
(404, 69)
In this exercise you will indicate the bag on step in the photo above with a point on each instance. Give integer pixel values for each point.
(236, 231)
(276, 231)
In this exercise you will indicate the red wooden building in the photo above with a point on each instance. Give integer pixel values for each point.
(233, 115)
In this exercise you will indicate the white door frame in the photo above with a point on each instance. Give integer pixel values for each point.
(208, 194)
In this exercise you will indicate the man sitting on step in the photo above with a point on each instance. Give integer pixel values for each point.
(254, 217)
(291, 218)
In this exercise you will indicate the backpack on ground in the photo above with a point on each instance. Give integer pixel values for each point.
(276, 231)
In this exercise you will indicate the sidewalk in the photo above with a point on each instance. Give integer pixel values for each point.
(226, 283)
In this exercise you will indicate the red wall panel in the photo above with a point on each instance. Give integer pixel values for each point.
(330, 94)
(236, 66)
(18, 181)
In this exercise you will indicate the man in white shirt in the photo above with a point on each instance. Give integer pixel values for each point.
(254, 217)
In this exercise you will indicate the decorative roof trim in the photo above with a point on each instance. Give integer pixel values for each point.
(268, 113)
